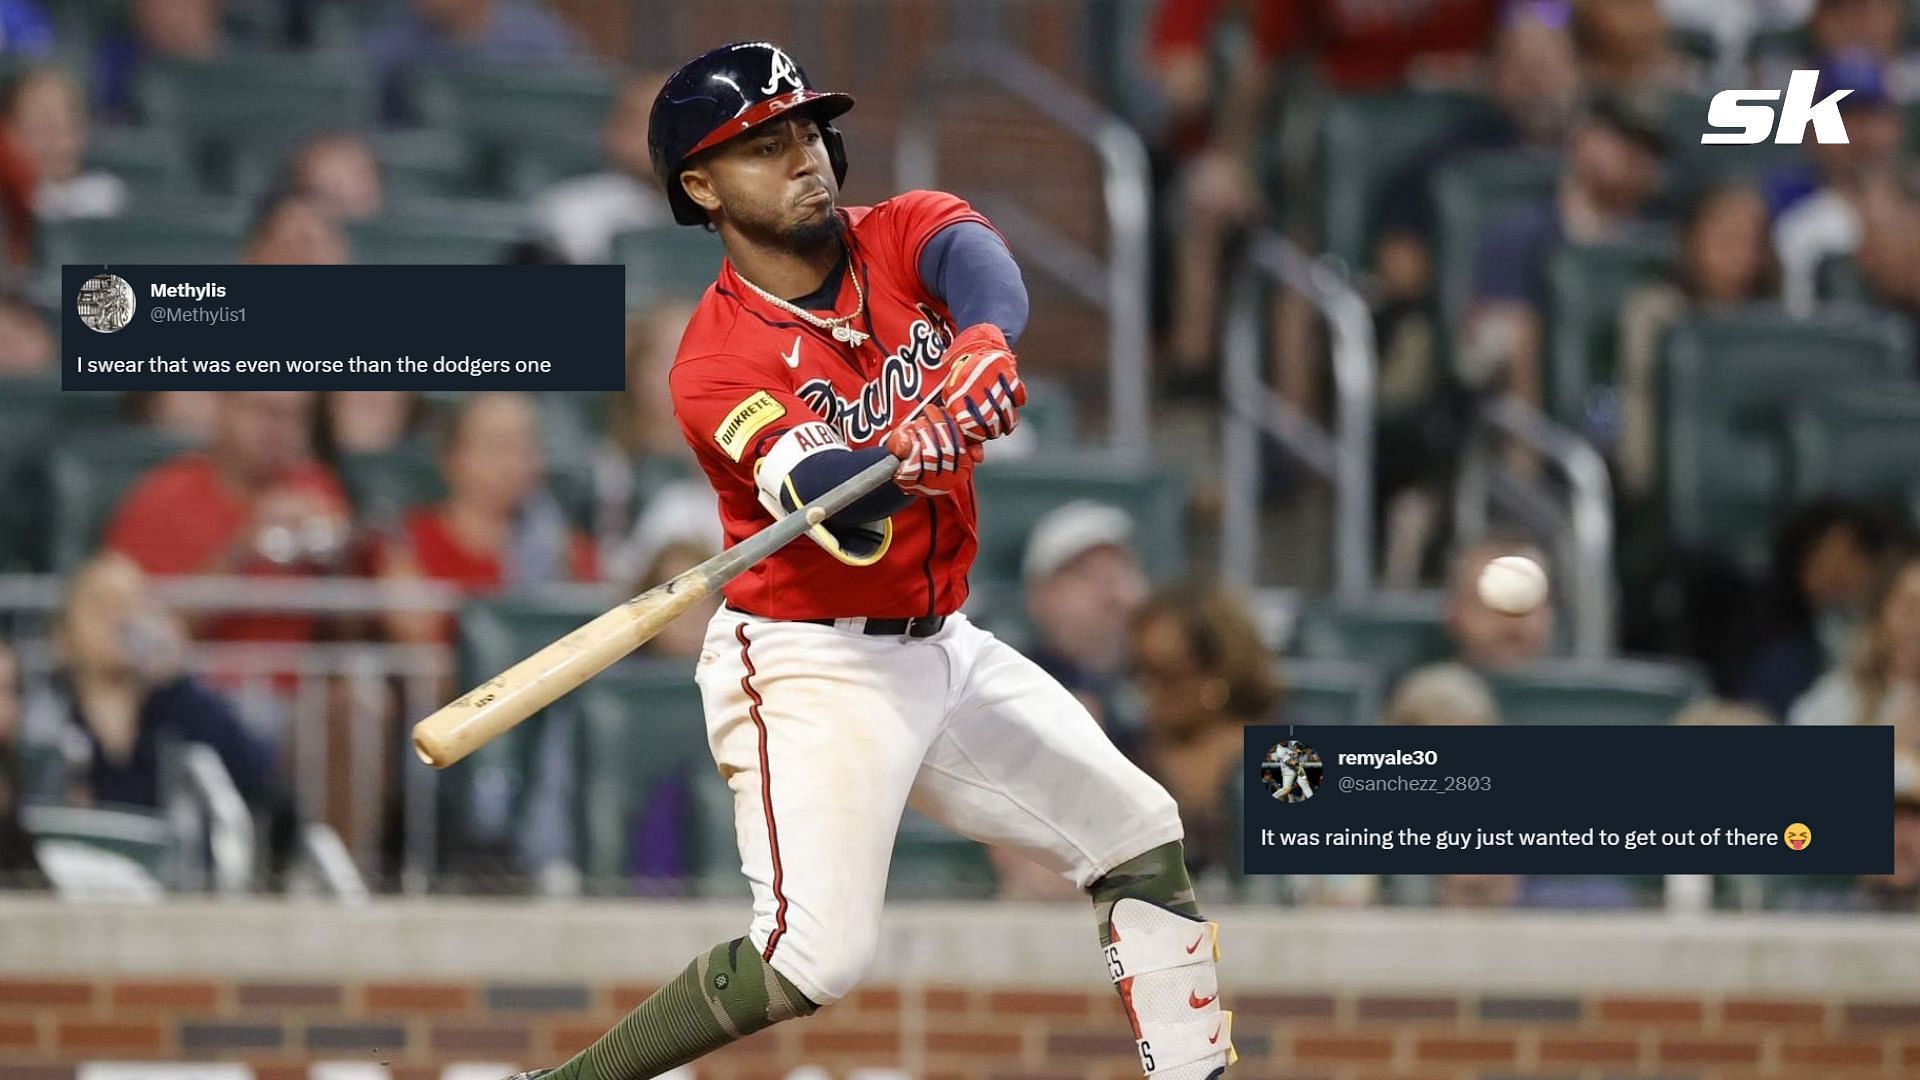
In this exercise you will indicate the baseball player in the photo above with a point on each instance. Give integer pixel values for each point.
(840, 682)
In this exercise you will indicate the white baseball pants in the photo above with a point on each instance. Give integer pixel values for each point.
(826, 734)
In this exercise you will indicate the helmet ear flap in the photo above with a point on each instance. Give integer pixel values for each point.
(836, 151)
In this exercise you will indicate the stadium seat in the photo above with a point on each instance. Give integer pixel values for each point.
(532, 125)
(1393, 632)
(1586, 285)
(96, 854)
(1330, 692)
(1687, 121)
(384, 485)
(1469, 194)
(253, 99)
(1014, 495)
(1837, 280)
(33, 413)
(1731, 382)
(643, 726)
(428, 231)
(156, 231)
(932, 863)
(414, 164)
(1860, 443)
(1583, 692)
(490, 636)
(666, 263)
(1365, 142)
(85, 480)
(150, 160)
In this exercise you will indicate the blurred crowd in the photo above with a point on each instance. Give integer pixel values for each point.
(493, 494)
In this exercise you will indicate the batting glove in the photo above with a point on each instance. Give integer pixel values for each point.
(983, 386)
(934, 455)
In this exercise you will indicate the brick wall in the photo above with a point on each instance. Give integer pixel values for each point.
(951, 1032)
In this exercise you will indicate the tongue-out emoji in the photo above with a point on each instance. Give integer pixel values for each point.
(1798, 836)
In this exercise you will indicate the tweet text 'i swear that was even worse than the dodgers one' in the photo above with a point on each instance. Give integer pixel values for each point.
(342, 327)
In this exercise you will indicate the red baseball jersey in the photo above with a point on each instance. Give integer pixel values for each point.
(755, 389)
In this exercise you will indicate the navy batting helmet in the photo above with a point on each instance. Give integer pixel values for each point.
(722, 93)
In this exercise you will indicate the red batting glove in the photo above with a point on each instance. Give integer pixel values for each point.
(983, 387)
(934, 455)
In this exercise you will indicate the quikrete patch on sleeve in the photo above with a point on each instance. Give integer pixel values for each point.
(745, 421)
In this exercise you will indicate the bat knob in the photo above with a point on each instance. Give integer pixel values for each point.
(815, 515)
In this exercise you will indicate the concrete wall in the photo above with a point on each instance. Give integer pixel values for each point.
(1004, 992)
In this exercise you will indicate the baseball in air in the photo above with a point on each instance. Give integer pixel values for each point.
(1513, 585)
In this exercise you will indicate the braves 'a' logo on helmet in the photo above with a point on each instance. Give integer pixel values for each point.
(781, 69)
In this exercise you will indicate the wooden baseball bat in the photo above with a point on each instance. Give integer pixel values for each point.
(470, 720)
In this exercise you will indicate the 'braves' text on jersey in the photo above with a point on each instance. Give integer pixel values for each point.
(753, 383)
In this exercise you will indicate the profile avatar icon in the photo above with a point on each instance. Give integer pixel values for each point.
(1292, 771)
(106, 303)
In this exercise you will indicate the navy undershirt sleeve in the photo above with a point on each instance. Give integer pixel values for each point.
(969, 268)
(816, 475)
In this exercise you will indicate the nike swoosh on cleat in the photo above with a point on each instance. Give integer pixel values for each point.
(1198, 1002)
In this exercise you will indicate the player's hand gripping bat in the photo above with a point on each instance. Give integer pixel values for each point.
(470, 720)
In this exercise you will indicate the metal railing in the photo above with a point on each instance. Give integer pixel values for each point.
(1126, 185)
(1585, 523)
(299, 690)
(1344, 456)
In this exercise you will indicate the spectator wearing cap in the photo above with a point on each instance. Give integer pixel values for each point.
(581, 216)
(1613, 169)
(446, 33)
(1083, 583)
(1823, 211)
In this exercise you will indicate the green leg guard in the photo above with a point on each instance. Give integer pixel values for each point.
(727, 994)
(1159, 875)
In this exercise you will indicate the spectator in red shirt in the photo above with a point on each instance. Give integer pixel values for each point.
(254, 502)
(498, 527)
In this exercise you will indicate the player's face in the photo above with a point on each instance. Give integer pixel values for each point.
(774, 184)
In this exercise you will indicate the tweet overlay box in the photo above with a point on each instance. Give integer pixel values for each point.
(151, 327)
(1568, 800)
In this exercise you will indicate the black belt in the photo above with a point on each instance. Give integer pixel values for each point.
(922, 626)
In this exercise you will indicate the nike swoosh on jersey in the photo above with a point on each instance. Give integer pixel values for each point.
(1216, 1033)
(1196, 1001)
(793, 358)
(1196, 944)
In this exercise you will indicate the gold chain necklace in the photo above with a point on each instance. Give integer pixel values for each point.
(839, 325)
